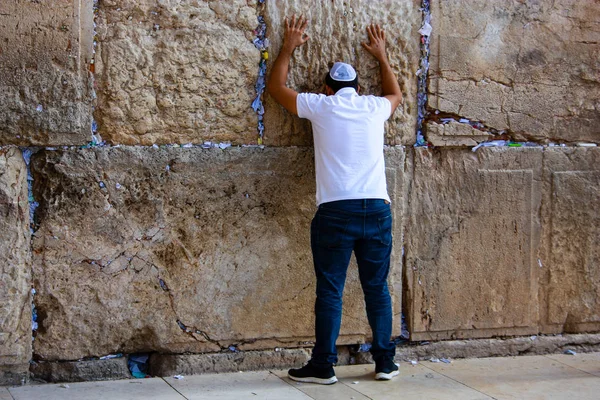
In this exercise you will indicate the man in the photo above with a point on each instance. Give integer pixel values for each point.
(353, 203)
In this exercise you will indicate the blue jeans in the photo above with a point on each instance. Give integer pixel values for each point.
(338, 228)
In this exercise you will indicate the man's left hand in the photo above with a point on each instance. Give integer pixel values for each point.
(294, 32)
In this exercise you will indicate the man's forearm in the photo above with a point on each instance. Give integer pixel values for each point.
(389, 82)
(294, 36)
(276, 86)
(280, 69)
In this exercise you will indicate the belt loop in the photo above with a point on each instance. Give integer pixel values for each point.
(364, 203)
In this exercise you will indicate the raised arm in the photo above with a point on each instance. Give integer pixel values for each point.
(276, 86)
(389, 82)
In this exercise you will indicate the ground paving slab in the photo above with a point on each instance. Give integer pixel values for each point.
(589, 363)
(414, 382)
(526, 377)
(4, 394)
(130, 389)
(324, 392)
(234, 386)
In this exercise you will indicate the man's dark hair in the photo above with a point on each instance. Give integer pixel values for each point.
(337, 85)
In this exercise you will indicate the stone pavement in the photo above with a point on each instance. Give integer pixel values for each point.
(526, 377)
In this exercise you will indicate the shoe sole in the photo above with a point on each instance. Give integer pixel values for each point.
(320, 381)
(382, 376)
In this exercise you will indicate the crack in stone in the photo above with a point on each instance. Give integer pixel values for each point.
(26, 153)
(102, 266)
(294, 297)
(187, 329)
(485, 80)
(163, 285)
(510, 84)
(302, 290)
(441, 117)
(95, 136)
(422, 74)
(146, 237)
(191, 330)
(261, 43)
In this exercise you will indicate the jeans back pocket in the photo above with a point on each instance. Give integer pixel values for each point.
(385, 229)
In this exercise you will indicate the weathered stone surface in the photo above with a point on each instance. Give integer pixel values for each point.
(570, 257)
(529, 67)
(529, 345)
(15, 269)
(336, 30)
(472, 238)
(45, 90)
(192, 364)
(177, 72)
(81, 371)
(225, 233)
(455, 134)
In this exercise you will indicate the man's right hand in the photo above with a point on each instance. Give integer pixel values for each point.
(376, 45)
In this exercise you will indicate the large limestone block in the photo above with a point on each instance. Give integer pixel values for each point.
(472, 241)
(182, 250)
(45, 86)
(529, 67)
(336, 29)
(15, 269)
(81, 370)
(177, 71)
(455, 133)
(570, 257)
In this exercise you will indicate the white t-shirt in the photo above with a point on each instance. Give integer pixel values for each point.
(348, 136)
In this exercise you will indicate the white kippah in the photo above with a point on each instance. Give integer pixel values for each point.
(342, 72)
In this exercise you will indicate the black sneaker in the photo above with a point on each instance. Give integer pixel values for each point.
(386, 369)
(311, 374)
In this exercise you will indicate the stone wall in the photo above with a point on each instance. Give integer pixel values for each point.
(45, 85)
(473, 218)
(521, 222)
(570, 280)
(149, 244)
(181, 250)
(176, 71)
(15, 269)
(336, 30)
(503, 242)
(526, 67)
